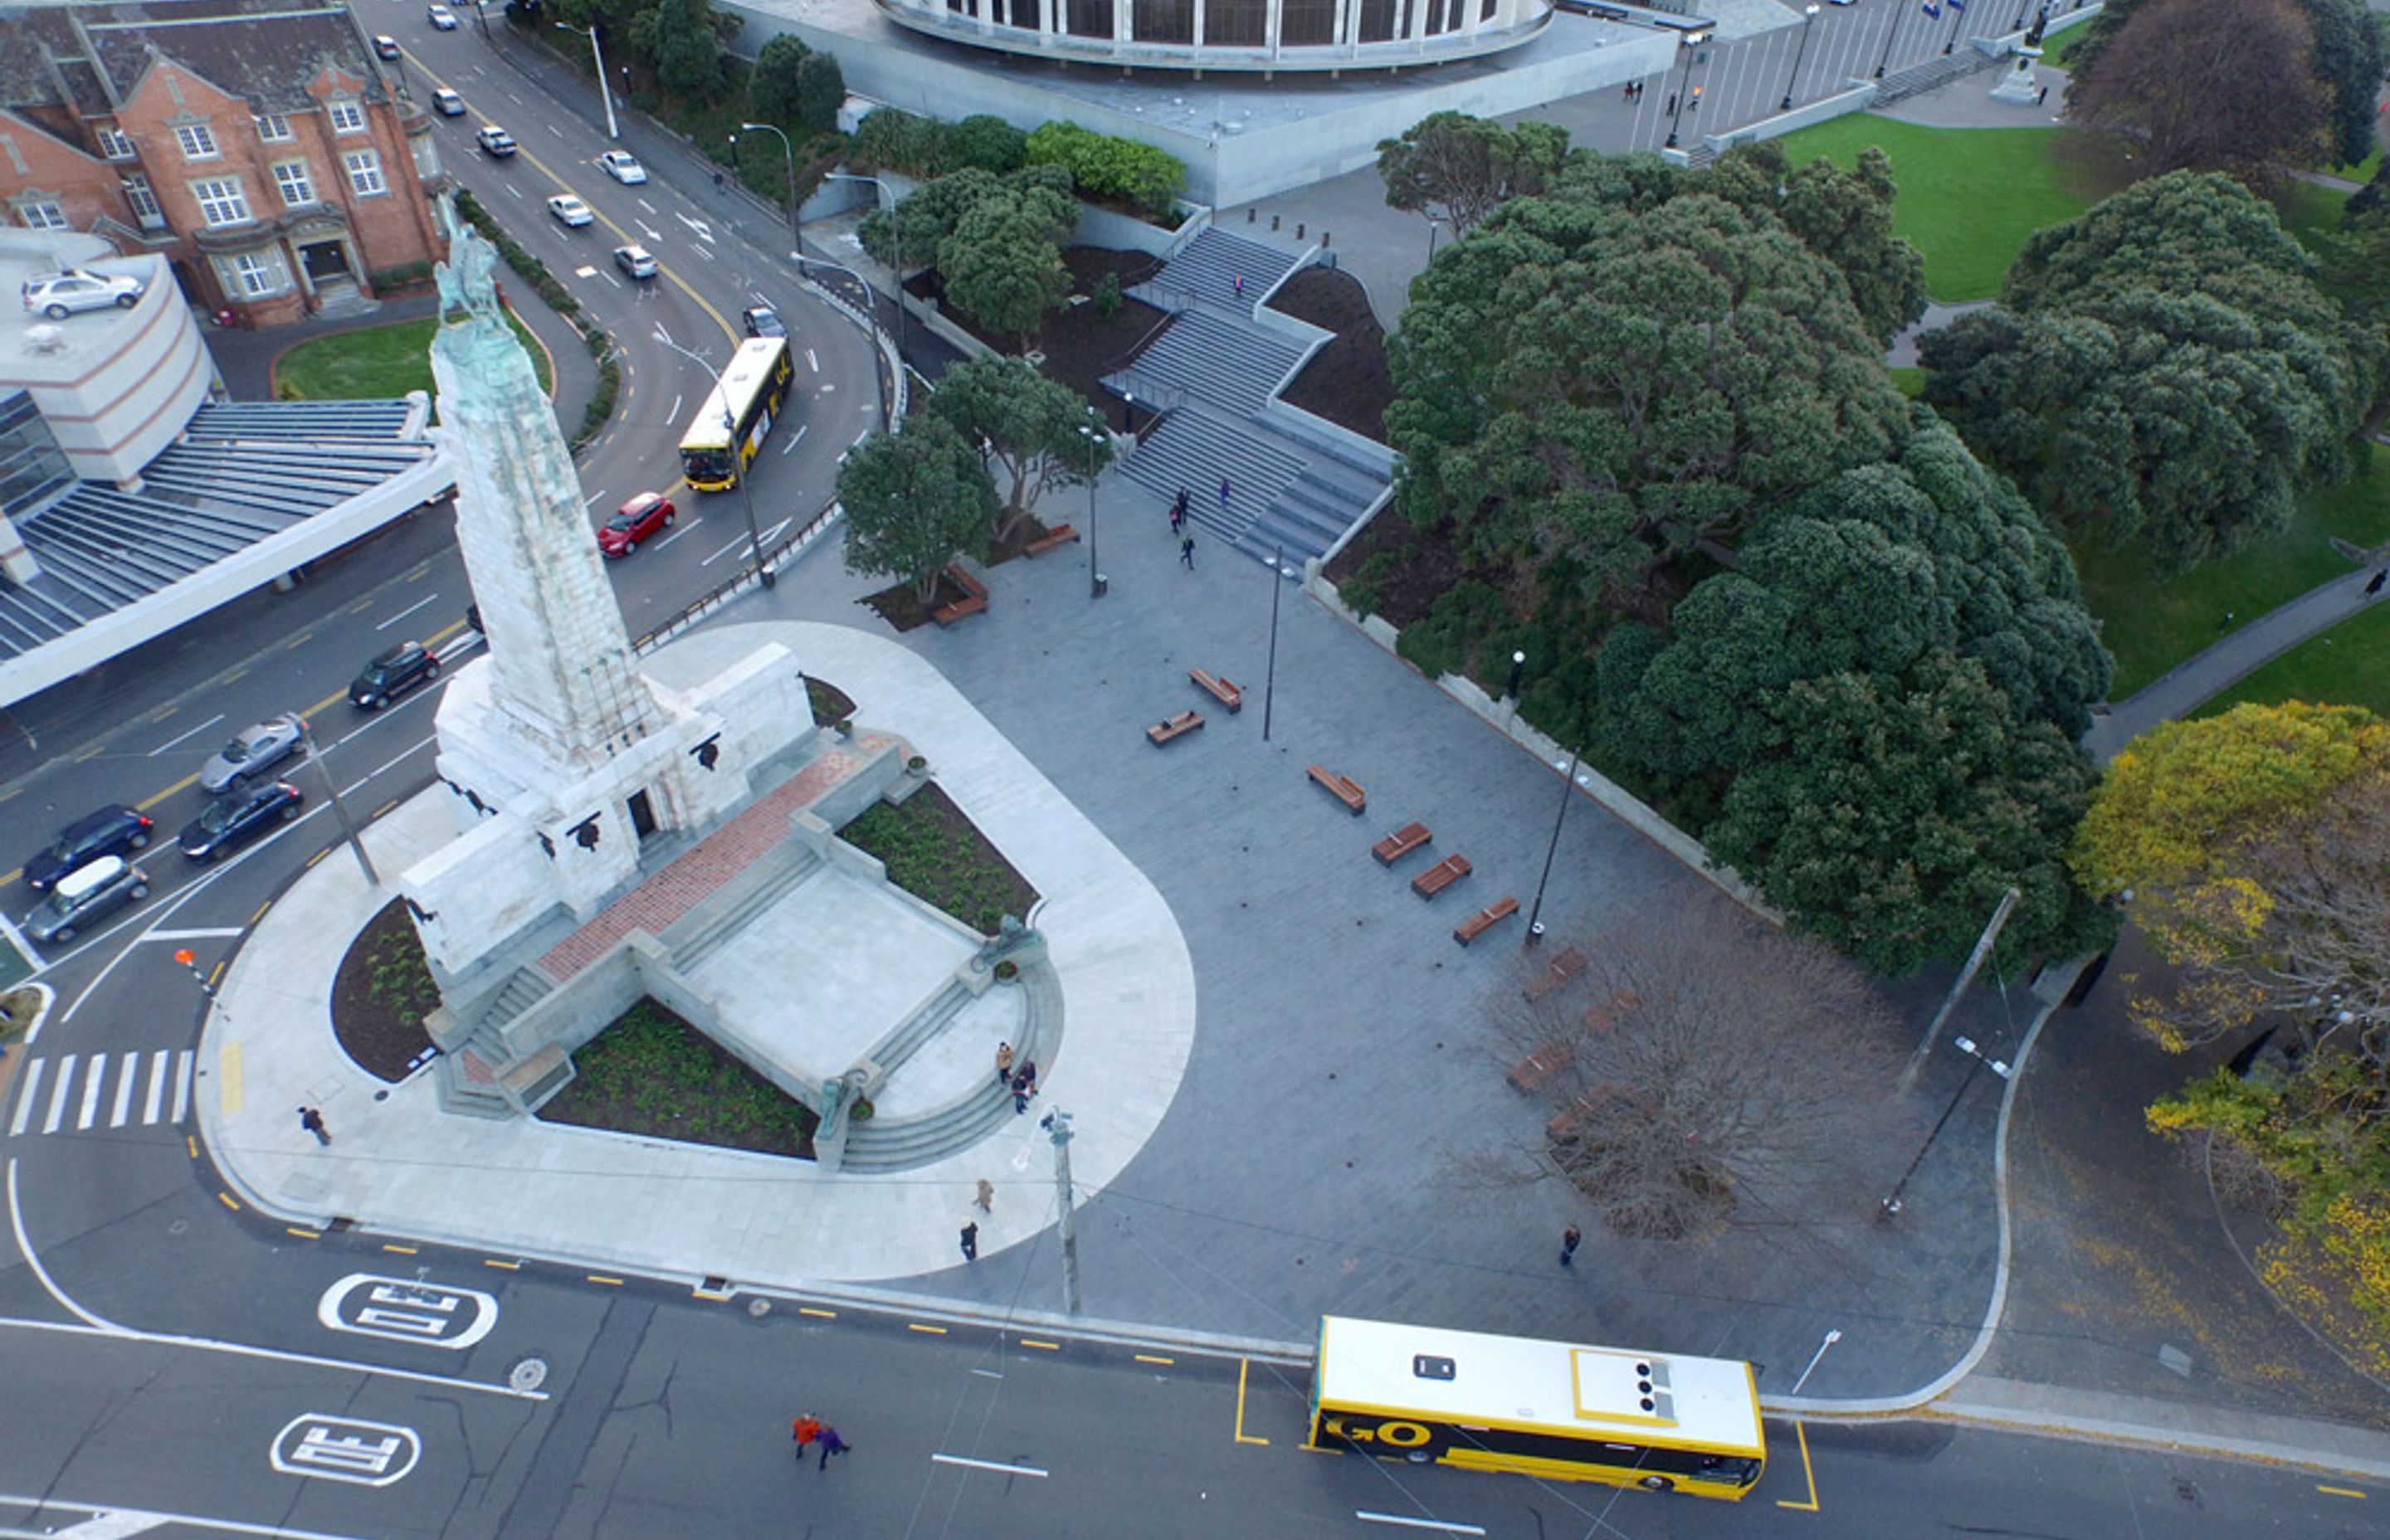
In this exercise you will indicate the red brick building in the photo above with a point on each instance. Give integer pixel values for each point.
(256, 143)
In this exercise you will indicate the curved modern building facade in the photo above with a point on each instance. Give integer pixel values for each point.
(1256, 36)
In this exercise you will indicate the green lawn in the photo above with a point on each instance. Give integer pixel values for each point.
(2151, 624)
(2348, 665)
(1912, 381)
(2307, 208)
(376, 363)
(1969, 198)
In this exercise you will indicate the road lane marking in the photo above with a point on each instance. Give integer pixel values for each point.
(154, 1097)
(686, 526)
(128, 1068)
(95, 1074)
(737, 544)
(996, 1466)
(798, 438)
(25, 1096)
(206, 934)
(1439, 1525)
(115, 1519)
(1801, 1433)
(426, 600)
(194, 732)
(183, 1088)
(811, 360)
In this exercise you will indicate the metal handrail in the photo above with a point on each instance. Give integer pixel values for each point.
(723, 592)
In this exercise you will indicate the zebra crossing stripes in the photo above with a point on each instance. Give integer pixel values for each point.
(154, 1084)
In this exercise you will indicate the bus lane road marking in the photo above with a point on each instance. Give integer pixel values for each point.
(1801, 1434)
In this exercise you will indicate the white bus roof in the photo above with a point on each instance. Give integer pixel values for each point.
(1590, 1391)
(749, 372)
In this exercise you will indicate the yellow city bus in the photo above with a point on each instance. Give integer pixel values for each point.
(738, 411)
(1667, 1422)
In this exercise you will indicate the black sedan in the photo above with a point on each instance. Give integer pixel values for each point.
(393, 675)
(113, 830)
(235, 818)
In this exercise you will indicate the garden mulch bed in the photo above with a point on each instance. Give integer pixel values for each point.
(1347, 381)
(1417, 567)
(381, 1028)
(934, 851)
(1081, 346)
(649, 1072)
(903, 609)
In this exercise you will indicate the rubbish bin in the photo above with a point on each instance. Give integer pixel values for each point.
(1103, 586)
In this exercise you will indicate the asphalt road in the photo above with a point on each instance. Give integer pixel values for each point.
(163, 1350)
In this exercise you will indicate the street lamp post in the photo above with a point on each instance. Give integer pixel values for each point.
(1434, 225)
(797, 240)
(1809, 18)
(1891, 34)
(340, 809)
(597, 52)
(1536, 910)
(787, 150)
(1693, 42)
(738, 462)
(1089, 430)
(1269, 677)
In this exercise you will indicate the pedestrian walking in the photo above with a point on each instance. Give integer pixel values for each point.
(1223, 494)
(1024, 1084)
(1004, 1063)
(1239, 281)
(832, 1444)
(312, 1122)
(2042, 97)
(2379, 579)
(970, 1241)
(1570, 1240)
(1187, 552)
(985, 1201)
(1178, 516)
(804, 1430)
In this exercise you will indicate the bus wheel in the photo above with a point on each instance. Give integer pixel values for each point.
(1657, 1484)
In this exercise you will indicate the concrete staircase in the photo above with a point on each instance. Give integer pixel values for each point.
(885, 1145)
(763, 883)
(1286, 492)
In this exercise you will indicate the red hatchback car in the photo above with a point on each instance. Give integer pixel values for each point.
(643, 518)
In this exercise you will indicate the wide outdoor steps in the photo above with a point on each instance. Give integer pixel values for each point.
(884, 1145)
(1193, 448)
(1211, 263)
(1234, 366)
(906, 1040)
(713, 924)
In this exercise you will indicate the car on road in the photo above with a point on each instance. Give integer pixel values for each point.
(624, 167)
(59, 295)
(635, 262)
(442, 18)
(385, 46)
(447, 103)
(496, 142)
(643, 518)
(393, 675)
(113, 830)
(570, 209)
(84, 897)
(763, 321)
(254, 751)
(235, 818)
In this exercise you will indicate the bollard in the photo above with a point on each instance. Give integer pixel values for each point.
(1252, 214)
(1298, 232)
(1273, 224)
(1326, 241)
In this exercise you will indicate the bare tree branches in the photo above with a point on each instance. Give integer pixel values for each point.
(2204, 86)
(1699, 1072)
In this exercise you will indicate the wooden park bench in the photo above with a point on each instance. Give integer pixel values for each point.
(1060, 534)
(1567, 965)
(974, 596)
(1401, 842)
(1345, 788)
(1226, 693)
(1169, 728)
(1443, 875)
(1484, 919)
(1608, 1014)
(1552, 1059)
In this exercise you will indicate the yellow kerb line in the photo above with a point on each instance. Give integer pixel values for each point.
(2342, 1492)
(1244, 1364)
(1802, 1434)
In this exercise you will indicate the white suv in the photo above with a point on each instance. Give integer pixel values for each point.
(59, 295)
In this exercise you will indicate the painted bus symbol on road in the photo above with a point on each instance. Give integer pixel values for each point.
(402, 1311)
(346, 1449)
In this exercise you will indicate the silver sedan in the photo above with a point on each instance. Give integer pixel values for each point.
(253, 753)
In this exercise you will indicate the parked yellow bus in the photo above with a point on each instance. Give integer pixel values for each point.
(739, 412)
(1664, 1421)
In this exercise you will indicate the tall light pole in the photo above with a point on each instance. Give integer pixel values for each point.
(1269, 678)
(340, 809)
(896, 235)
(1089, 430)
(1809, 18)
(1434, 225)
(1693, 42)
(1536, 910)
(605, 94)
(1899, 13)
(738, 461)
(789, 152)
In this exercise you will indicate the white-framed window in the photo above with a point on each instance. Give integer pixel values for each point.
(198, 143)
(364, 173)
(252, 273)
(274, 128)
(221, 202)
(42, 214)
(144, 202)
(116, 144)
(292, 180)
(347, 118)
